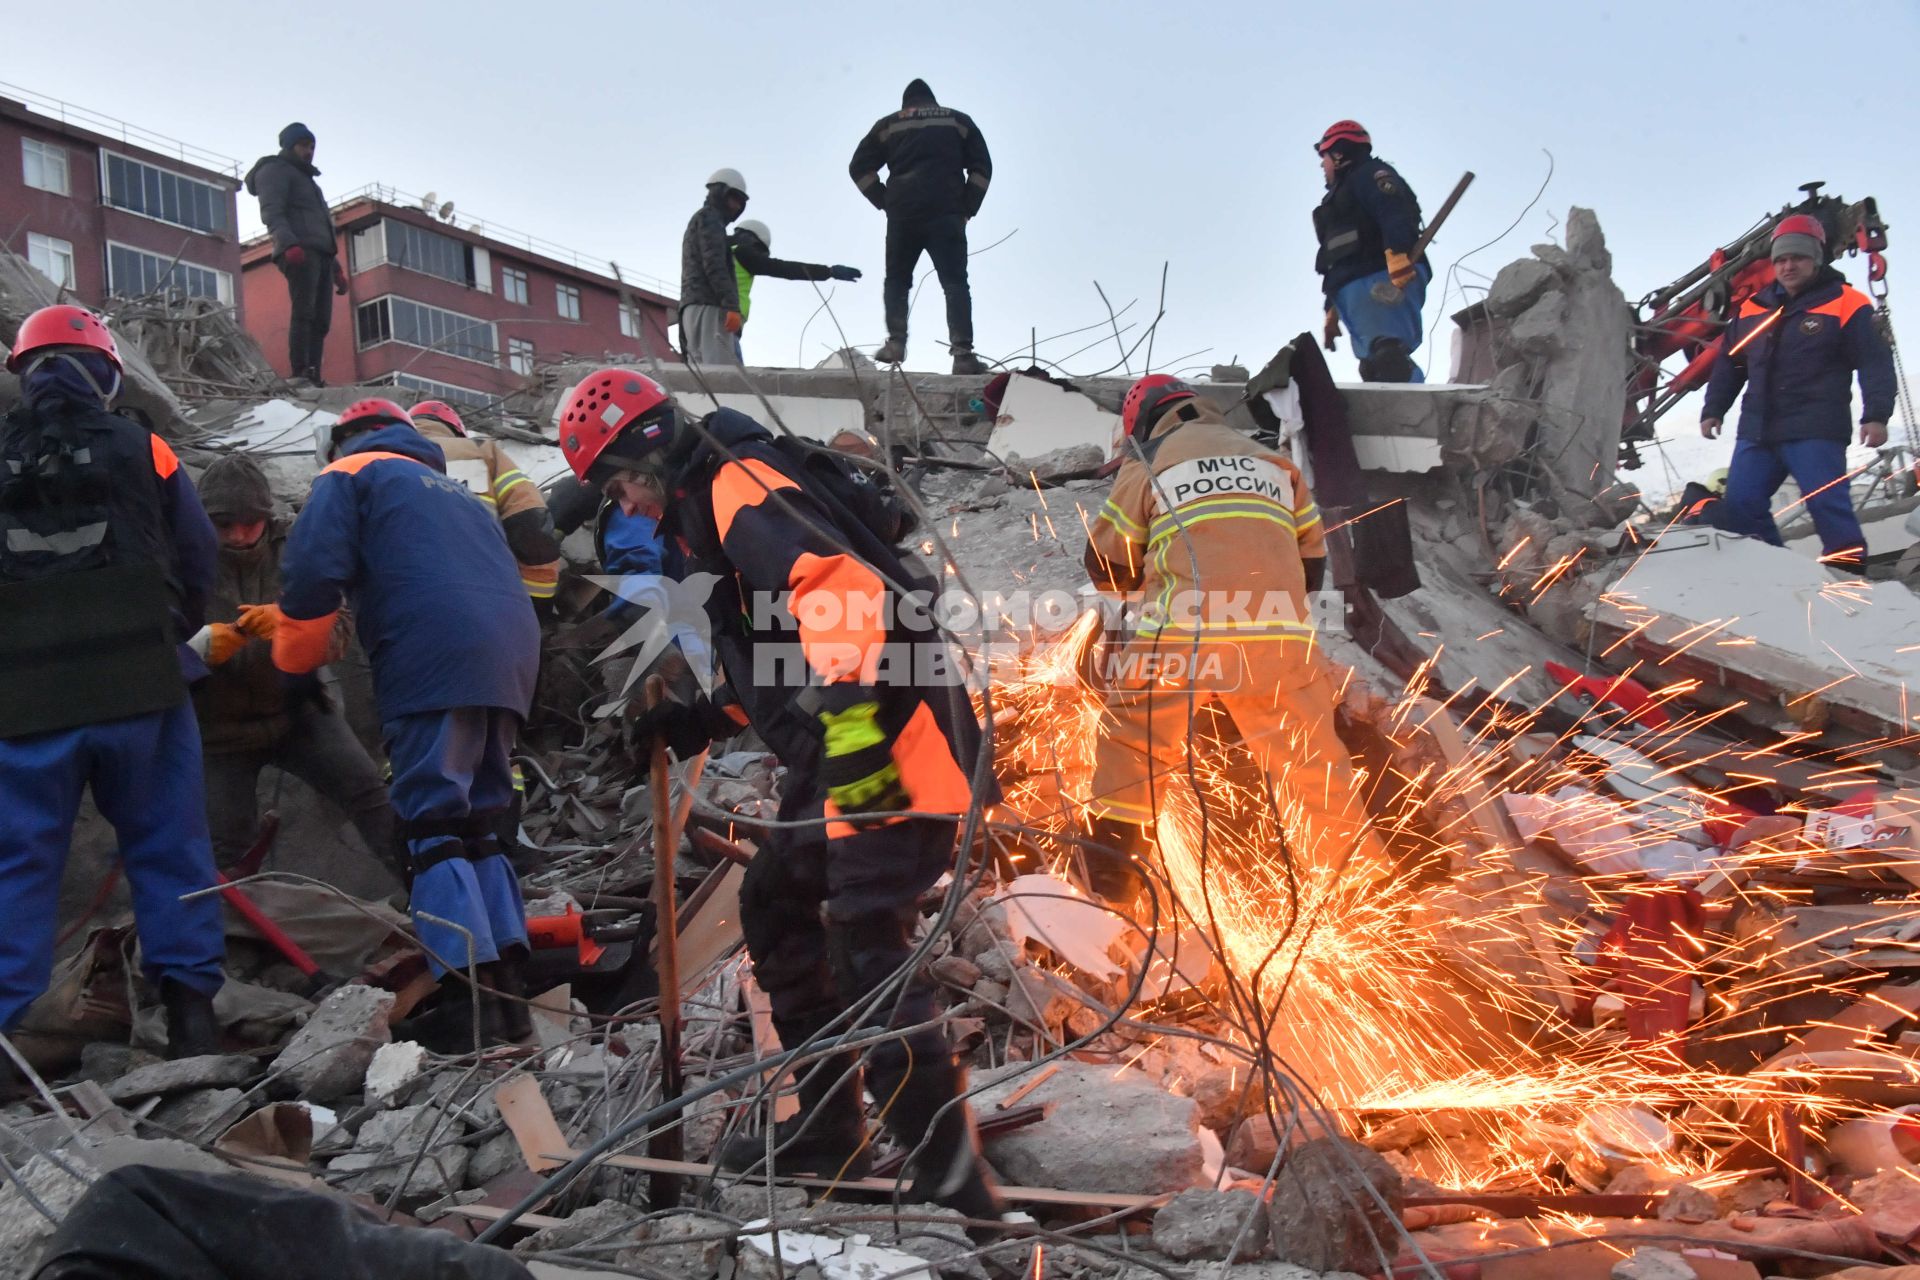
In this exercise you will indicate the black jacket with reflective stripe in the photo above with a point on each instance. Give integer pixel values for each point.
(936, 162)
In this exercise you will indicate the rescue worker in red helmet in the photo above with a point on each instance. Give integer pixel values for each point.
(1796, 346)
(828, 905)
(1224, 542)
(440, 608)
(484, 467)
(1367, 225)
(106, 563)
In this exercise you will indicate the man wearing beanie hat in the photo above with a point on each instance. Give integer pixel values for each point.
(937, 174)
(301, 225)
(253, 716)
(1796, 346)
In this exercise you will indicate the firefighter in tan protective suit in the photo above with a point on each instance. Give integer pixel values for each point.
(485, 469)
(1224, 543)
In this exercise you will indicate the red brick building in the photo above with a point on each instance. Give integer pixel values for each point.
(108, 209)
(455, 308)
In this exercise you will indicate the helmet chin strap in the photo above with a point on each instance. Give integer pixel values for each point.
(106, 394)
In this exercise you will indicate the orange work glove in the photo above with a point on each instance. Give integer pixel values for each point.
(223, 642)
(1399, 269)
(1331, 333)
(735, 322)
(259, 620)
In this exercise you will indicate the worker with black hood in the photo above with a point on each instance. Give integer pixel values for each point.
(304, 246)
(938, 171)
(252, 715)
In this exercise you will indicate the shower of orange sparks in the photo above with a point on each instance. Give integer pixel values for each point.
(1369, 1004)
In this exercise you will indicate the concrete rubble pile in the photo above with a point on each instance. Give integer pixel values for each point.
(1698, 882)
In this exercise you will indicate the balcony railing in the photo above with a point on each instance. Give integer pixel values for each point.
(130, 134)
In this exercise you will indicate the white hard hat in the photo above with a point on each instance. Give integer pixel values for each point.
(729, 178)
(757, 229)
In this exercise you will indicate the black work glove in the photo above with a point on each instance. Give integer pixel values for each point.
(844, 273)
(686, 729)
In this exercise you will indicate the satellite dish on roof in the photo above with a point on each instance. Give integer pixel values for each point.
(426, 202)
(446, 212)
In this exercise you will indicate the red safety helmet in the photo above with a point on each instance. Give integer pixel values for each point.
(1801, 224)
(362, 416)
(441, 412)
(1343, 131)
(1147, 397)
(612, 420)
(61, 326)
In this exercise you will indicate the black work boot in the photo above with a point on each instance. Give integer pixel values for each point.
(827, 1139)
(1114, 873)
(1387, 360)
(947, 1169)
(192, 1030)
(965, 362)
(893, 352)
(511, 1022)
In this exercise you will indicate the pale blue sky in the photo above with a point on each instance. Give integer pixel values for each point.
(1123, 134)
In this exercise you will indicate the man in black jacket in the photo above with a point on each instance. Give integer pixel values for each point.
(751, 243)
(938, 170)
(710, 312)
(1368, 224)
(301, 225)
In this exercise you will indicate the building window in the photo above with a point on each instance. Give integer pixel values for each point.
(44, 166)
(135, 273)
(429, 252)
(367, 247)
(513, 285)
(402, 320)
(163, 195)
(631, 325)
(520, 356)
(54, 258)
(441, 390)
(567, 297)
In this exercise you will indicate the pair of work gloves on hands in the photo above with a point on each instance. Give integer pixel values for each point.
(856, 759)
(256, 622)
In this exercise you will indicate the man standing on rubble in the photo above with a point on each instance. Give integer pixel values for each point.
(304, 246)
(877, 768)
(105, 567)
(752, 242)
(1367, 224)
(455, 650)
(938, 171)
(1795, 346)
(1224, 543)
(252, 715)
(711, 316)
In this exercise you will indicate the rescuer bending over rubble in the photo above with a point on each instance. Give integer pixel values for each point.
(454, 645)
(1223, 542)
(827, 906)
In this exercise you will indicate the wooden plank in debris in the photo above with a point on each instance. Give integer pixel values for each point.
(1866, 1018)
(493, 1213)
(710, 927)
(531, 1121)
(1109, 1200)
(1504, 1205)
(95, 1105)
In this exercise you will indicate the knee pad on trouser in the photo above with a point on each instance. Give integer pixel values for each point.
(499, 888)
(1387, 360)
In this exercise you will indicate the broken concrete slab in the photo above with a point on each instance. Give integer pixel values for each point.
(385, 1150)
(24, 1229)
(200, 1113)
(672, 1245)
(1336, 1207)
(1074, 460)
(1517, 286)
(206, 1072)
(605, 1222)
(1210, 1224)
(1810, 636)
(1100, 1134)
(1653, 1264)
(328, 1058)
(393, 1072)
(942, 1243)
(1038, 418)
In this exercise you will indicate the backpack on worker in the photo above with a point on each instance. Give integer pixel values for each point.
(84, 579)
(868, 499)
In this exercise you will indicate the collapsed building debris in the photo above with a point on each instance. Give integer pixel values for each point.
(1634, 1001)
